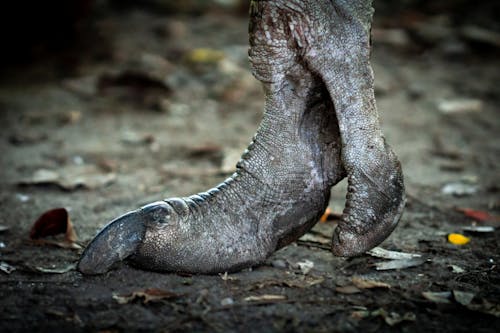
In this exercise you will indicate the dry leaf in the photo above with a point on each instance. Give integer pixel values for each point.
(60, 270)
(458, 239)
(54, 222)
(399, 264)
(456, 269)
(386, 254)
(265, 298)
(6, 268)
(148, 295)
(315, 238)
(437, 297)
(368, 284)
(349, 289)
(463, 297)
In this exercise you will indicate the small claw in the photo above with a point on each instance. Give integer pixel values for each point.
(360, 231)
(118, 240)
(346, 243)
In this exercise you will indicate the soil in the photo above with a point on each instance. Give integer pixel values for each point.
(149, 106)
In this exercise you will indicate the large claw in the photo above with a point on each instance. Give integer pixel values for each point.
(119, 239)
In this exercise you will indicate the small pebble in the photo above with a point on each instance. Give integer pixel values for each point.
(279, 263)
(227, 301)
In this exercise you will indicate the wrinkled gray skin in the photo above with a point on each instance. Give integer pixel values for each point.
(320, 125)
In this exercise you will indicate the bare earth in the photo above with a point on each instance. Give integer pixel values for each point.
(147, 113)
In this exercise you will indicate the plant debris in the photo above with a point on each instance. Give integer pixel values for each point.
(398, 260)
(399, 264)
(296, 281)
(60, 270)
(267, 298)
(395, 255)
(456, 269)
(458, 239)
(438, 297)
(390, 318)
(150, 295)
(363, 283)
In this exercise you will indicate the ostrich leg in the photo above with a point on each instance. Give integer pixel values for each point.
(279, 190)
(320, 123)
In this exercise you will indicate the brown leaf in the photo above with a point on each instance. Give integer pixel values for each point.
(54, 222)
(368, 284)
(148, 295)
(50, 223)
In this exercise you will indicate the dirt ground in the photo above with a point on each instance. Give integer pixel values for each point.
(149, 105)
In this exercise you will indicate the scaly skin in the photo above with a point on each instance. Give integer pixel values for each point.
(320, 124)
